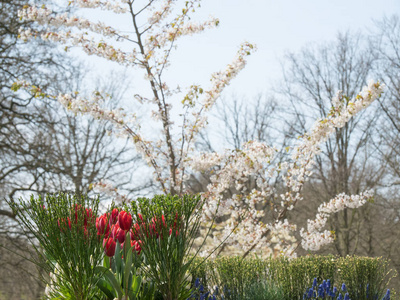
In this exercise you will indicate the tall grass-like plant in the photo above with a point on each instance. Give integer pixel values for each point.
(295, 276)
(66, 239)
(363, 274)
(166, 228)
(237, 278)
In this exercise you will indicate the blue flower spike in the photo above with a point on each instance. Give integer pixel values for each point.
(387, 295)
(314, 285)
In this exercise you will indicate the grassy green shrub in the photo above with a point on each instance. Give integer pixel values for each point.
(294, 276)
(168, 226)
(357, 272)
(63, 226)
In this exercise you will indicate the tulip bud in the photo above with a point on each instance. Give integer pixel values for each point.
(125, 220)
(114, 216)
(102, 225)
(89, 217)
(109, 246)
(63, 223)
(140, 217)
(118, 233)
(138, 246)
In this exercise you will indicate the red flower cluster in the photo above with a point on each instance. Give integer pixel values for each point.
(156, 227)
(77, 213)
(113, 227)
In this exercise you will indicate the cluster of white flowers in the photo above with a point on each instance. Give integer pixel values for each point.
(79, 105)
(303, 155)
(170, 34)
(45, 16)
(313, 238)
(235, 169)
(108, 189)
(105, 5)
(160, 14)
(221, 79)
(88, 45)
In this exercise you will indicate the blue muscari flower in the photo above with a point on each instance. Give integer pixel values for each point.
(328, 284)
(343, 287)
(347, 297)
(387, 295)
(204, 296)
(335, 289)
(314, 285)
(340, 297)
(321, 291)
(310, 293)
(197, 283)
(367, 291)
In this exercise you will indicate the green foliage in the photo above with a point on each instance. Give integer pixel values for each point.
(64, 227)
(294, 276)
(357, 272)
(168, 228)
(119, 278)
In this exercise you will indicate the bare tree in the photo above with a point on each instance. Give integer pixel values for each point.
(346, 164)
(385, 41)
(42, 148)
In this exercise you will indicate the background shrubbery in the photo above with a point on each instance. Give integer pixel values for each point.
(294, 277)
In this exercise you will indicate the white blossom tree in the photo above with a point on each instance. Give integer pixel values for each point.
(171, 155)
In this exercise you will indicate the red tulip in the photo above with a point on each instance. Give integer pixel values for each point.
(135, 232)
(138, 246)
(114, 216)
(125, 220)
(89, 217)
(163, 220)
(63, 223)
(118, 233)
(78, 211)
(176, 233)
(109, 246)
(140, 217)
(102, 225)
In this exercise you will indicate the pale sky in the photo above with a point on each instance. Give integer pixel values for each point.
(274, 26)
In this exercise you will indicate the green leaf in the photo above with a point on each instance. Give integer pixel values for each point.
(127, 244)
(106, 288)
(106, 262)
(128, 269)
(118, 260)
(109, 276)
(137, 281)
